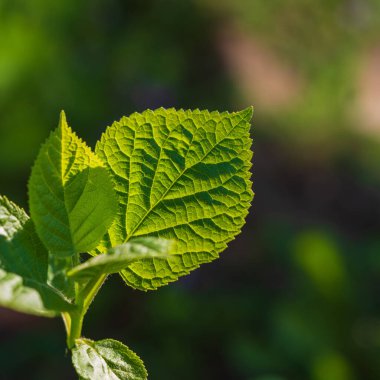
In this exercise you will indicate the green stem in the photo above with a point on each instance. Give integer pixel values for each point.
(74, 323)
(74, 320)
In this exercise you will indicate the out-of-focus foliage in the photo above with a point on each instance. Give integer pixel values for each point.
(298, 299)
(95, 60)
(321, 44)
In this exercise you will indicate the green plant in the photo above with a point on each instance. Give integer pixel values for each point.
(164, 192)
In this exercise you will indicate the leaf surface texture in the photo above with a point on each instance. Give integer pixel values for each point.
(107, 359)
(179, 175)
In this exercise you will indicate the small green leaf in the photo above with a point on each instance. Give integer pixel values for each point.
(107, 359)
(24, 266)
(181, 175)
(121, 257)
(71, 196)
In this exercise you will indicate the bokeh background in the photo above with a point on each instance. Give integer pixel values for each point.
(297, 294)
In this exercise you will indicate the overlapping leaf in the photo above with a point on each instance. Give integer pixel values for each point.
(107, 359)
(179, 175)
(24, 266)
(72, 201)
(71, 196)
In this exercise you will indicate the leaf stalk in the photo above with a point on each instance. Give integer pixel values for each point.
(73, 320)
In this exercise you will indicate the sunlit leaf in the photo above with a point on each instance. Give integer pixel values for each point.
(107, 360)
(72, 201)
(179, 175)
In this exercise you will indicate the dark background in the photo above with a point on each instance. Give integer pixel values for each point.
(297, 294)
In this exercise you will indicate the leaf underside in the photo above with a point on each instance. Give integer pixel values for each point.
(24, 266)
(107, 359)
(179, 175)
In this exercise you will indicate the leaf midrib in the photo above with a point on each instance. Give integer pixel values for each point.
(93, 346)
(177, 179)
(63, 175)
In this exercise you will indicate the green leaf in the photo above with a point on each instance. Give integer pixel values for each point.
(122, 256)
(107, 359)
(71, 196)
(179, 175)
(24, 266)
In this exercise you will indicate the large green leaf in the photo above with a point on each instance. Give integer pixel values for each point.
(122, 256)
(71, 196)
(181, 175)
(107, 360)
(24, 266)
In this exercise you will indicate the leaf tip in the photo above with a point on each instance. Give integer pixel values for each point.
(62, 119)
(247, 113)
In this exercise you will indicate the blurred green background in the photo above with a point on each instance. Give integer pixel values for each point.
(297, 295)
